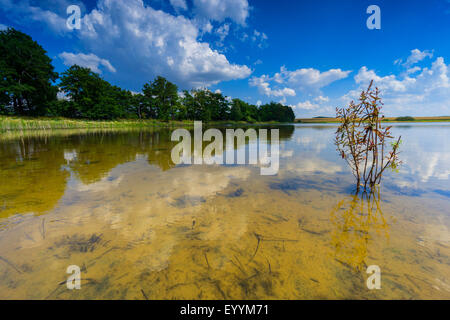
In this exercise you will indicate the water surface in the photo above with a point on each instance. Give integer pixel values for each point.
(113, 203)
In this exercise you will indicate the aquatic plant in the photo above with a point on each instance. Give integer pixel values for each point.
(362, 141)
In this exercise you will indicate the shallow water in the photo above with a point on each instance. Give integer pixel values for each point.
(139, 227)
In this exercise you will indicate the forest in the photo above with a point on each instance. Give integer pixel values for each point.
(30, 87)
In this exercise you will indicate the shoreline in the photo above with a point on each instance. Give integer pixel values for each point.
(388, 119)
(12, 123)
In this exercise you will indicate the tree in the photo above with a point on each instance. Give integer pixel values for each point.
(236, 112)
(91, 97)
(202, 110)
(218, 105)
(276, 112)
(26, 75)
(27, 88)
(189, 104)
(241, 110)
(163, 96)
(137, 107)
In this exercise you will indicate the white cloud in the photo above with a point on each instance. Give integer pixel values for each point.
(415, 57)
(412, 93)
(244, 37)
(260, 38)
(86, 60)
(309, 79)
(321, 99)
(390, 82)
(223, 31)
(219, 10)
(179, 4)
(142, 43)
(264, 87)
(413, 70)
(24, 12)
(3, 27)
(307, 105)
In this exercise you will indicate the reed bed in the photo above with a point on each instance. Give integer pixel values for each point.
(20, 124)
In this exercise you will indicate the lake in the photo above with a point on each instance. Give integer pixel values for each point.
(140, 227)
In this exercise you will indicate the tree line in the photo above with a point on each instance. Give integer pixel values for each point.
(28, 88)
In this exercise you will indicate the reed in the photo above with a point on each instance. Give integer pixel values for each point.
(8, 123)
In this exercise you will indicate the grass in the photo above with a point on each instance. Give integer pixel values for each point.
(8, 123)
(11, 123)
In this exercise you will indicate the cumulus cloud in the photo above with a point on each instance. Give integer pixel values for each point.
(142, 43)
(307, 105)
(86, 60)
(415, 57)
(223, 31)
(264, 87)
(51, 12)
(390, 82)
(309, 79)
(179, 4)
(321, 99)
(287, 83)
(413, 70)
(414, 93)
(219, 10)
(23, 13)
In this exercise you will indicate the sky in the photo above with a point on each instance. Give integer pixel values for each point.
(313, 55)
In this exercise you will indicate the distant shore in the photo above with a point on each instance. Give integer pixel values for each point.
(12, 123)
(388, 119)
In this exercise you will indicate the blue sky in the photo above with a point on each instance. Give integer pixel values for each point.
(311, 55)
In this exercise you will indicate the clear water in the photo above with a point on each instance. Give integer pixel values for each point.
(139, 227)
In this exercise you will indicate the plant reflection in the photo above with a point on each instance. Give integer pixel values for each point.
(355, 219)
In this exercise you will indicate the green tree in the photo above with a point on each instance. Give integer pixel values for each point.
(26, 75)
(276, 112)
(236, 112)
(201, 105)
(137, 106)
(92, 97)
(162, 95)
(218, 106)
(243, 111)
(189, 104)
